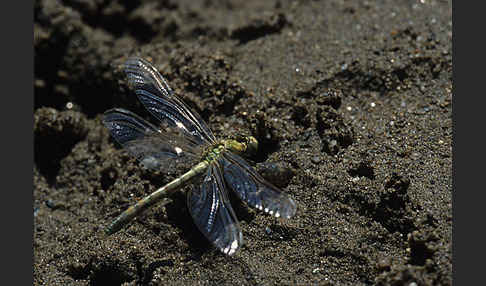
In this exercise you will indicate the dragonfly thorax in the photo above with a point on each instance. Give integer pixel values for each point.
(241, 145)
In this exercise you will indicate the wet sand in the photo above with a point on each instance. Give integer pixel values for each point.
(351, 102)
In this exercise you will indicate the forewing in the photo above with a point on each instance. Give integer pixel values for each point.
(255, 190)
(212, 213)
(156, 95)
(154, 147)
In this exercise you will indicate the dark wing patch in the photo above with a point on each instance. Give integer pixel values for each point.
(253, 189)
(155, 148)
(212, 213)
(155, 94)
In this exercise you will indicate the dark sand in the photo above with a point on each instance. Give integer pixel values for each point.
(351, 101)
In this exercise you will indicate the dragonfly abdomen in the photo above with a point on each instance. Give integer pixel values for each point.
(155, 197)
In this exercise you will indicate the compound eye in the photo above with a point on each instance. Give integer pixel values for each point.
(252, 144)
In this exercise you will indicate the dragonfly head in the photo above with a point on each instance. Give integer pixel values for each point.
(251, 145)
(245, 145)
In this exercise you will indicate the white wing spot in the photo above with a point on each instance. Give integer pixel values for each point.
(234, 246)
(231, 248)
(277, 214)
(178, 150)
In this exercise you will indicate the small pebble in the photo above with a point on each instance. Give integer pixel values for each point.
(51, 204)
(316, 160)
(268, 230)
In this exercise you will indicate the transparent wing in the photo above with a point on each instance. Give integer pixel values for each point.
(253, 189)
(212, 213)
(156, 95)
(155, 148)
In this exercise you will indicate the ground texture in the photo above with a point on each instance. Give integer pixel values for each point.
(351, 103)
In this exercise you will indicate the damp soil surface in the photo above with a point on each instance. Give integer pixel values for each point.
(351, 102)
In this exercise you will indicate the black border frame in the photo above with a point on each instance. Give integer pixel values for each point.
(18, 116)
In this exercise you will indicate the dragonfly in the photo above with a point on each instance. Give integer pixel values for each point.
(181, 136)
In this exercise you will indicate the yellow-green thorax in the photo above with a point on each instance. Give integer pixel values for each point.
(241, 145)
